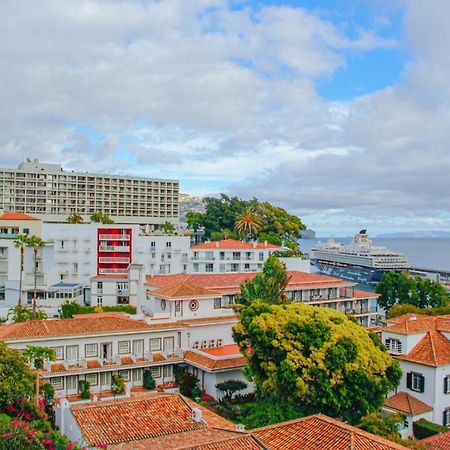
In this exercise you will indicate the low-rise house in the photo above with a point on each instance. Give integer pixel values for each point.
(421, 345)
(170, 421)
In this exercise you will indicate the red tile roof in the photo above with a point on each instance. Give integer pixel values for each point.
(134, 419)
(239, 441)
(320, 432)
(439, 441)
(183, 289)
(406, 404)
(211, 364)
(232, 281)
(226, 350)
(414, 324)
(16, 216)
(234, 244)
(432, 350)
(365, 294)
(67, 327)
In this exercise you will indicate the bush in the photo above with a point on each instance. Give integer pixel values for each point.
(118, 384)
(187, 383)
(85, 392)
(70, 308)
(424, 428)
(129, 309)
(149, 381)
(230, 387)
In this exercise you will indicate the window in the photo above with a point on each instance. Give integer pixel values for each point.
(59, 351)
(91, 350)
(155, 344)
(217, 303)
(105, 378)
(163, 305)
(72, 383)
(57, 383)
(168, 343)
(168, 244)
(92, 379)
(99, 301)
(137, 375)
(72, 352)
(178, 306)
(138, 347)
(167, 371)
(125, 374)
(124, 347)
(393, 345)
(195, 267)
(446, 418)
(447, 384)
(209, 267)
(156, 372)
(193, 305)
(415, 381)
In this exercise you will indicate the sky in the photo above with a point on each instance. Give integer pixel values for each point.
(338, 111)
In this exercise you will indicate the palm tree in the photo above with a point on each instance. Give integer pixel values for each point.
(21, 242)
(168, 228)
(35, 242)
(75, 218)
(248, 223)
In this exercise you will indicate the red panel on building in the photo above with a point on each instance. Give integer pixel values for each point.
(114, 250)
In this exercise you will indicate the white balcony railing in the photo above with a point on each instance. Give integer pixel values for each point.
(114, 237)
(172, 353)
(112, 271)
(114, 248)
(118, 260)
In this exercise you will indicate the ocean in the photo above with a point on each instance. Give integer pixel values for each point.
(424, 253)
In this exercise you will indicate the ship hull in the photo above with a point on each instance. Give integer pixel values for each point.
(363, 275)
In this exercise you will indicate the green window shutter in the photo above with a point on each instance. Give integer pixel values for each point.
(422, 383)
(409, 380)
(446, 380)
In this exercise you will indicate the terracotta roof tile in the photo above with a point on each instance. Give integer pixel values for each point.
(439, 441)
(234, 244)
(230, 349)
(414, 324)
(320, 432)
(432, 350)
(66, 327)
(231, 282)
(183, 289)
(114, 422)
(16, 216)
(236, 442)
(212, 364)
(407, 404)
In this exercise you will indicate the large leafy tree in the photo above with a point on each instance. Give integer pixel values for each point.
(21, 242)
(400, 288)
(16, 377)
(268, 286)
(317, 358)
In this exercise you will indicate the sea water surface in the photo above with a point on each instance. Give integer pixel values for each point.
(424, 253)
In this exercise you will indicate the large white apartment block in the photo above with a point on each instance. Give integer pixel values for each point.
(50, 193)
(421, 345)
(74, 253)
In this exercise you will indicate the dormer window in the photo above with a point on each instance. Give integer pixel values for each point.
(393, 345)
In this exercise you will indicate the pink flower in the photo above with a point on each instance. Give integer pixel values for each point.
(16, 423)
(69, 446)
(102, 445)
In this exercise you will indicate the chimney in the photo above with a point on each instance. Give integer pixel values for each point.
(265, 243)
(413, 317)
(197, 415)
(240, 427)
(217, 244)
(255, 244)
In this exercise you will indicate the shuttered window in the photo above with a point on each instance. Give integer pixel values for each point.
(415, 381)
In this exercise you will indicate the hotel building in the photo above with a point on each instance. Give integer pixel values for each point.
(52, 194)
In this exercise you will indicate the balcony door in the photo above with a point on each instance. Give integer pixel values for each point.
(72, 385)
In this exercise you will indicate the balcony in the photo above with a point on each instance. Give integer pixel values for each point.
(117, 260)
(114, 248)
(112, 271)
(114, 237)
(172, 354)
(8, 235)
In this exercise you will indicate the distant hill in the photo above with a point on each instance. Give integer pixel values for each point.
(416, 234)
(190, 203)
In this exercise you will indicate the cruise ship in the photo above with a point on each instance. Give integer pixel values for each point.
(359, 261)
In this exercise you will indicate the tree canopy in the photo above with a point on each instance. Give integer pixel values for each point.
(400, 288)
(100, 217)
(16, 377)
(236, 218)
(75, 218)
(317, 358)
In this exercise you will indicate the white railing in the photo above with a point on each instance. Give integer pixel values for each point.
(112, 271)
(119, 259)
(114, 248)
(172, 353)
(114, 237)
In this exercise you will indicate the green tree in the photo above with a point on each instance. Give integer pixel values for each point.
(168, 228)
(99, 217)
(316, 358)
(401, 309)
(230, 387)
(267, 286)
(35, 242)
(118, 384)
(22, 313)
(148, 380)
(400, 288)
(21, 242)
(75, 218)
(384, 425)
(248, 223)
(37, 356)
(194, 220)
(16, 377)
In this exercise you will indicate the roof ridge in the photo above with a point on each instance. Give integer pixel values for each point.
(433, 350)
